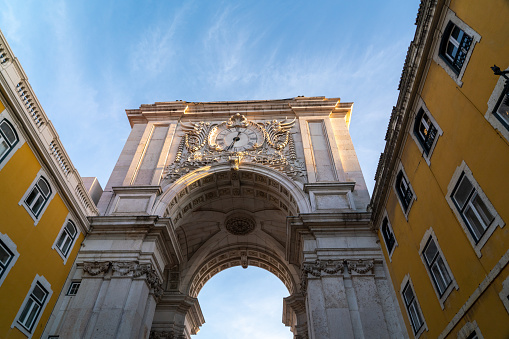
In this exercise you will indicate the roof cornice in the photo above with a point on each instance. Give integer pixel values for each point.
(40, 132)
(413, 71)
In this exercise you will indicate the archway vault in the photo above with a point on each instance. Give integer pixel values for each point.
(210, 182)
(240, 256)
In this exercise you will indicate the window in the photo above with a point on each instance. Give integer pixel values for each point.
(412, 307)
(66, 238)
(388, 235)
(33, 307)
(470, 331)
(38, 197)
(472, 208)
(501, 110)
(8, 256)
(436, 267)
(455, 46)
(5, 258)
(425, 131)
(73, 289)
(404, 191)
(8, 138)
(474, 211)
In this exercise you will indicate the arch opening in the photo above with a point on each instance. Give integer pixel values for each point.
(245, 301)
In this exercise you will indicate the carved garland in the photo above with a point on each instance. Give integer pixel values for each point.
(124, 268)
(359, 266)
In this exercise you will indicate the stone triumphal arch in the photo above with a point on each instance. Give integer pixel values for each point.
(201, 187)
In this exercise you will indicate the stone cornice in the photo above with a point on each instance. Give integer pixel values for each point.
(41, 134)
(145, 226)
(328, 223)
(413, 69)
(299, 106)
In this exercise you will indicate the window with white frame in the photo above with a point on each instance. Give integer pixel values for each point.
(472, 208)
(497, 113)
(436, 266)
(388, 235)
(73, 288)
(425, 131)
(470, 331)
(8, 256)
(414, 312)
(501, 110)
(8, 138)
(455, 46)
(33, 307)
(404, 191)
(475, 213)
(66, 239)
(38, 196)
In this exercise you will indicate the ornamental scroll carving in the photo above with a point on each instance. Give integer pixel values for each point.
(96, 267)
(318, 268)
(124, 268)
(360, 266)
(271, 145)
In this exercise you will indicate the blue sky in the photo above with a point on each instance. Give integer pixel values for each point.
(88, 61)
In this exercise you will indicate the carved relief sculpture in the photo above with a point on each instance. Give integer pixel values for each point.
(235, 141)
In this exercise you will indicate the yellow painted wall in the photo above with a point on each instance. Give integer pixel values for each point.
(468, 136)
(33, 242)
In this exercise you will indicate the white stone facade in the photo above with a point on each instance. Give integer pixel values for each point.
(201, 187)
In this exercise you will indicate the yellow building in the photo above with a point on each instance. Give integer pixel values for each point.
(43, 207)
(441, 194)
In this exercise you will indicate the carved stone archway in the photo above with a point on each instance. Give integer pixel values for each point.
(200, 187)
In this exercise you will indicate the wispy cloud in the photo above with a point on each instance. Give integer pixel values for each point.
(156, 45)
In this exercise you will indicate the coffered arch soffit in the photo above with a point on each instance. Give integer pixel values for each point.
(216, 182)
(199, 272)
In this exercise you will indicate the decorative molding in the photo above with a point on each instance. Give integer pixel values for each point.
(240, 225)
(319, 267)
(124, 268)
(198, 148)
(416, 59)
(360, 266)
(96, 267)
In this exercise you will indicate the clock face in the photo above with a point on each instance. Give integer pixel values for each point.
(239, 139)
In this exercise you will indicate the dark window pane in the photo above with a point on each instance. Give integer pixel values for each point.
(38, 204)
(408, 294)
(30, 199)
(430, 252)
(463, 192)
(71, 229)
(43, 185)
(476, 228)
(39, 293)
(4, 147)
(482, 210)
(8, 133)
(5, 254)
